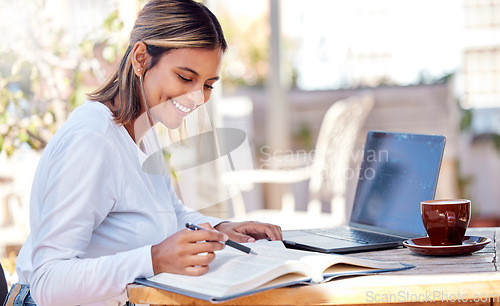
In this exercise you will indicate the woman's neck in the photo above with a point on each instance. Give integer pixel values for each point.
(138, 127)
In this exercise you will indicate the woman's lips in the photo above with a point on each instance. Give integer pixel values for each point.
(181, 107)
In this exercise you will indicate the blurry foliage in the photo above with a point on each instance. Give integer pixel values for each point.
(33, 75)
(246, 62)
(496, 142)
(465, 119)
(43, 77)
(304, 137)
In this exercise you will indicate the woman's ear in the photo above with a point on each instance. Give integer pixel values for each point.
(139, 58)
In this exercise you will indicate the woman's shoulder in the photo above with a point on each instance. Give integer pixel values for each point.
(89, 118)
(91, 115)
(91, 121)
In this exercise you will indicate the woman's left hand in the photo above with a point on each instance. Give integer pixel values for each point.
(249, 231)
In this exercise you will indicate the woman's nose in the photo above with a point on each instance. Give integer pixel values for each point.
(196, 97)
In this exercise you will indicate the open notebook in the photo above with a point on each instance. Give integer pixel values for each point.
(234, 273)
(399, 170)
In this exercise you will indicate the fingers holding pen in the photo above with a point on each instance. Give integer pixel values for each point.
(207, 233)
(187, 252)
(202, 242)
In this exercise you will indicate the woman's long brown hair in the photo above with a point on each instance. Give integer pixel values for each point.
(163, 25)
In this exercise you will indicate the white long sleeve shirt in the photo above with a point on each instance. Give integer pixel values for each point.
(95, 214)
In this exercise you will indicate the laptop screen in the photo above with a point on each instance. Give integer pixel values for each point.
(398, 171)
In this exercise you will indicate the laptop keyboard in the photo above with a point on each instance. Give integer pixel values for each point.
(353, 235)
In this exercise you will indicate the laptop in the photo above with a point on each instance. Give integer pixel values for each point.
(398, 171)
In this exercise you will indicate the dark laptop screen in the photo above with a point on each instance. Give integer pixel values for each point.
(398, 171)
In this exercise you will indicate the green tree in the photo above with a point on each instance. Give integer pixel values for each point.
(42, 76)
(36, 75)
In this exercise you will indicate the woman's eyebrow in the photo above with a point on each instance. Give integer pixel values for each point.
(195, 73)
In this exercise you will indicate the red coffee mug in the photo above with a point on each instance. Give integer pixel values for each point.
(446, 221)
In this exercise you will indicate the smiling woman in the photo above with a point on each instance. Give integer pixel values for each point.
(182, 79)
(165, 46)
(98, 220)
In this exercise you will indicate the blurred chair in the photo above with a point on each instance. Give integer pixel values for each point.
(327, 173)
(3, 286)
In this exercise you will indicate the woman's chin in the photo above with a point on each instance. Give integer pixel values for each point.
(171, 124)
(167, 114)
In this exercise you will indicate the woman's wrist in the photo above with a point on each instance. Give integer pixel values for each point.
(217, 226)
(154, 258)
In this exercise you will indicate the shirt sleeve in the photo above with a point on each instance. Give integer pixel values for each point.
(76, 192)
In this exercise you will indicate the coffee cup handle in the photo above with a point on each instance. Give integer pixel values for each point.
(450, 224)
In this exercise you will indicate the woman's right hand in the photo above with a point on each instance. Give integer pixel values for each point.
(180, 253)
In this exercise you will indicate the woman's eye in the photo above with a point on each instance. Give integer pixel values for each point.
(209, 87)
(183, 78)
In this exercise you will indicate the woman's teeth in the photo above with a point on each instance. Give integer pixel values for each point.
(181, 108)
